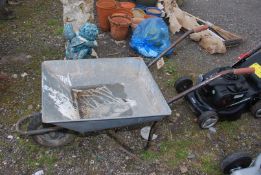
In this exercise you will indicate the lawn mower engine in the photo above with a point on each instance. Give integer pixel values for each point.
(225, 91)
(227, 96)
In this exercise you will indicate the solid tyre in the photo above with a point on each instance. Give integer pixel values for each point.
(207, 119)
(256, 109)
(235, 161)
(182, 84)
(50, 139)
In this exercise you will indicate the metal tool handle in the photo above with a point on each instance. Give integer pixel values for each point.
(242, 58)
(249, 53)
(243, 71)
(23, 120)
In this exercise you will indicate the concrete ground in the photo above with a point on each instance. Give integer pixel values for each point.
(181, 147)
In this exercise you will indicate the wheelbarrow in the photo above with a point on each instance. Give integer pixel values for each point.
(93, 95)
(96, 94)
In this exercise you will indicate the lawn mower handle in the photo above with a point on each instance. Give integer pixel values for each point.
(195, 30)
(249, 53)
(243, 71)
(240, 71)
(241, 58)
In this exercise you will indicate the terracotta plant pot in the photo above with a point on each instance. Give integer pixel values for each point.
(104, 9)
(124, 11)
(127, 5)
(119, 26)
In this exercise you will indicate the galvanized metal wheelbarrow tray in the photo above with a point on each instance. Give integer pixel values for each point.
(96, 94)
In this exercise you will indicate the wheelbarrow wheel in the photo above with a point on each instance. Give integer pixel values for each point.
(207, 119)
(51, 139)
(235, 161)
(183, 84)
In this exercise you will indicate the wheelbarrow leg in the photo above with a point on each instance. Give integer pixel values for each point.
(112, 134)
(152, 131)
(124, 147)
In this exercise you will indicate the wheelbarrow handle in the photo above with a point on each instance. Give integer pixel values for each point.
(198, 29)
(243, 71)
(23, 120)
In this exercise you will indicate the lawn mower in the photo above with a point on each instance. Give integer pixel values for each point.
(241, 163)
(226, 96)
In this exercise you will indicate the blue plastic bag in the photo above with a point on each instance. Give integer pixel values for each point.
(151, 37)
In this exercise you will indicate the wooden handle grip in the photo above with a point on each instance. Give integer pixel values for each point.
(200, 28)
(242, 71)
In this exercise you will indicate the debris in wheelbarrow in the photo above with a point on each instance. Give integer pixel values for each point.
(102, 100)
(229, 95)
(93, 95)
